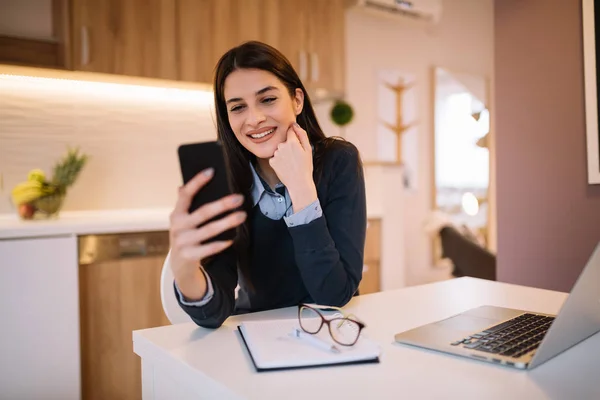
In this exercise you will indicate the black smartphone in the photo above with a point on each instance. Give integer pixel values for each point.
(196, 157)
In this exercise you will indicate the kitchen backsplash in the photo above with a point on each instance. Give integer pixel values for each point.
(130, 132)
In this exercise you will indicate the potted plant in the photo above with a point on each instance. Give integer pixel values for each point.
(341, 114)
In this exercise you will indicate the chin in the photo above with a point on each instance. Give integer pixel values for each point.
(265, 150)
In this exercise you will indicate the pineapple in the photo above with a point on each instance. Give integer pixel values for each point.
(67, 169)
(64, 175)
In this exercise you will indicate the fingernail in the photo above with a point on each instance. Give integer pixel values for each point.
(241, 216)
(208, 172)
(237, 199)
(296, 125)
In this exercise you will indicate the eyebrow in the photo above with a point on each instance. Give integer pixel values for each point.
(261, 91)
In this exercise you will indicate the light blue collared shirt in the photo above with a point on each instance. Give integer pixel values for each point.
(274, 204)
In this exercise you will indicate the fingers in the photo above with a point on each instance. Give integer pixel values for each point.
(291, 135)
(195, 253)
(210, 210)
(295, 134)
(196, 236)
(302, 136)
(188, 243)
(187, 192)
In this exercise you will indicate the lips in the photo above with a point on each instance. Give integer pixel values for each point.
(261, 135)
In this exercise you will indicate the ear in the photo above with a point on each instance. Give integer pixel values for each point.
(298, 100)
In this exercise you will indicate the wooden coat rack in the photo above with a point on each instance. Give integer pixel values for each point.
(399, 127)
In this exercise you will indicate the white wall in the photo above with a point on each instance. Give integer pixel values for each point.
(462, 42)
(131, 134)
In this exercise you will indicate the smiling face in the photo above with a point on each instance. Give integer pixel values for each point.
(260, 110)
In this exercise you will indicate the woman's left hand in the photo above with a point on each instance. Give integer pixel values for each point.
(293, 164)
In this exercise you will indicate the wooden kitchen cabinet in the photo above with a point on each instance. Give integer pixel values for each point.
(118, 294)
(184, 39)
(371, 281)
(325, 31)
(243, 20)
(198, 54)
(125, 37)
(309, 33)
(206, 29)
(291, 37)
(35, 33)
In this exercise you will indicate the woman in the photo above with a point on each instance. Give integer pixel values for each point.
(302, 219)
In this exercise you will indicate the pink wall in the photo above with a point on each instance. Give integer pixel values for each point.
(548, 216)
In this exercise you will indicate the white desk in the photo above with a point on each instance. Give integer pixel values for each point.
(187, 362)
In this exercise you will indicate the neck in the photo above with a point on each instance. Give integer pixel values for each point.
(267, 172)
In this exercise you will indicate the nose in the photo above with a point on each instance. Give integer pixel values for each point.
(255, 116)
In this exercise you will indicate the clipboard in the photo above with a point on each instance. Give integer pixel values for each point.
(271, 347)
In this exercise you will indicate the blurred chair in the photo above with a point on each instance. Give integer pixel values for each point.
(468, 257)
(167, 295)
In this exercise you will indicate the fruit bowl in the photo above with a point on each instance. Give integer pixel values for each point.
(49, 206)
(40, 198)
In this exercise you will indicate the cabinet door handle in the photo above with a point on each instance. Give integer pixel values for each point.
(303, 66)
(314, 73)
(85, 46)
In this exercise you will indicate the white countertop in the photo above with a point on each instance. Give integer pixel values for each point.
(90, 222)
(86, 222)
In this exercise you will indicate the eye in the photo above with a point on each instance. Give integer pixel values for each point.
(269, 100)
(236, 108)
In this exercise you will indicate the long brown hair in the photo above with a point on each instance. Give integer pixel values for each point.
(258, 55)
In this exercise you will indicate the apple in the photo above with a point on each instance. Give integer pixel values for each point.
(26, 211)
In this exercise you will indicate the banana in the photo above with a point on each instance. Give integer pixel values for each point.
(26, 192)
(48, 189)
(36, 175)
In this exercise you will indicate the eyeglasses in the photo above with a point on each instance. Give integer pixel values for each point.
(344, 330)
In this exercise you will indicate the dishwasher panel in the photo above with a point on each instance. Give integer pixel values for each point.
(99, 248)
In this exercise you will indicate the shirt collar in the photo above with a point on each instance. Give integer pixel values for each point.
(258, 184)
(258, 187)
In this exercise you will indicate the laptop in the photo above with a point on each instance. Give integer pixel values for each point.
(517, 338)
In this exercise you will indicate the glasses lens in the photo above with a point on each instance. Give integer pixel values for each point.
(310, 320)
(344, 331)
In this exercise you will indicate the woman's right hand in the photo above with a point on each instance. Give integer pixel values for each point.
(186, 238)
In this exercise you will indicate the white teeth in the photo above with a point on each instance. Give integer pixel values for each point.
(262, 135)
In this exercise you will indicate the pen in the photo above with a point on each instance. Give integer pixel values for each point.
(314, 341)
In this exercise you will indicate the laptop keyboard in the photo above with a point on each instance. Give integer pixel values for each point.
(512, 338)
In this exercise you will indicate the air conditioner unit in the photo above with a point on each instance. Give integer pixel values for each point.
(423, 10)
